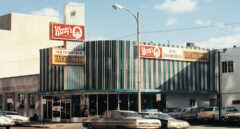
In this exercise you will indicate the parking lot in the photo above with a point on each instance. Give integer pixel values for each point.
(79, 126)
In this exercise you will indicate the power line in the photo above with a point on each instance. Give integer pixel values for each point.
(180, 29)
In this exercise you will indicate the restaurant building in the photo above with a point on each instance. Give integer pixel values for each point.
(85, 78)
(107, 80)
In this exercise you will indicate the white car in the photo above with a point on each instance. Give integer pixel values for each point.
(18, 119)
(6, 122)
(120, 119)
(166, 120)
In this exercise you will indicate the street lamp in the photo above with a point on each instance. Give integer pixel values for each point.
(116, 7)
(219, 81)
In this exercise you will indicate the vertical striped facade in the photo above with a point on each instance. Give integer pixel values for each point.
(60, 78)
(112, 66)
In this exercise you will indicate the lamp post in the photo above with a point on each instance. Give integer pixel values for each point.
(219, 82)
(116, 7)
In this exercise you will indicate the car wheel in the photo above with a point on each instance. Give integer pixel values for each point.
(89, 126)
(8, 127)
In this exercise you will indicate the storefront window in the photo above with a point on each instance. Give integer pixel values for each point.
(113, 102)
(133, 102)
(31, 100)
(21, 99)
(93, 105)
(123, 100)
(102, 104)
(1, 101)
(76, 106)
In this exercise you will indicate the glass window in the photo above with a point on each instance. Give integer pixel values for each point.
(231, 109)
(31, 100)
(230, 66)
(130, 114)
(224, 67)
(21, 99)
(208, 109)
(76, 106)
(236, 102)
(144, 115)
(162, 116)
(1, 101)
(192, 102)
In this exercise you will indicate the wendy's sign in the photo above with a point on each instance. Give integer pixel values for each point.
(150, 51)
(66, 32)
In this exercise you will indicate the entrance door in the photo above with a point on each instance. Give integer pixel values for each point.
(65, 109)
(47, 110)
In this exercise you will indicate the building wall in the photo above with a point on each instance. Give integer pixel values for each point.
(183, 100)
(12, 87)
(111, 66)
(21, 37)
(230, 81)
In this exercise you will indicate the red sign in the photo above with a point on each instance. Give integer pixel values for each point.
(150, 51)
(66, 32)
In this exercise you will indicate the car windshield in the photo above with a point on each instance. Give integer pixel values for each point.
(1, 113)
(149, 110)
(12, 113)
(144, 115)
(162, 116)
(231, 109)
(208, 109)
(130, 114)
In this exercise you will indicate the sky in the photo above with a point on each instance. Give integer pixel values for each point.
(207, 23)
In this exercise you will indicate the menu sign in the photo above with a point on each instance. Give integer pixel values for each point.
(170, 53)
(195, 55)
(60, 56)
(66, 32)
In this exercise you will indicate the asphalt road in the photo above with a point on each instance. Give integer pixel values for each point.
(79, 126)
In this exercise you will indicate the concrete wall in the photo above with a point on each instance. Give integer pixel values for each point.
(21, 85)
(183, 100)
(230, 82)
(20, 44)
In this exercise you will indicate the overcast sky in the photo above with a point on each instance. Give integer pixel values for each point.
(208, 23)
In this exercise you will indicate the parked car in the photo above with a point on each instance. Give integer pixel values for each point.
(18, 119)
(6, 122)
(190, 113)
(166, 120)
(174, 112)
(212, 113)
(120, 119)
(232, 117)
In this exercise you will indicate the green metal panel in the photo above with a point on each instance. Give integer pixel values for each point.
(154, 74)
(100, 64)
(191, 76)
(128, 64)
(134, 66)
(169, 76)
(182, 76)
(173, 77)
(164, 75)
(159, 74)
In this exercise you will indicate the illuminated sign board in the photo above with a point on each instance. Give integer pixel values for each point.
(66, 32)
(169, 53)
(59, 56)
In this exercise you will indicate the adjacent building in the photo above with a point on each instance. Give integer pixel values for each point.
(230, 91)
(21, 37)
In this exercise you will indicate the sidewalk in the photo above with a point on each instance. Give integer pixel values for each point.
(51, 125)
